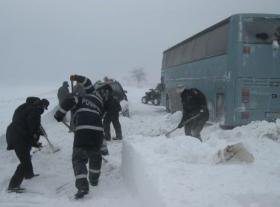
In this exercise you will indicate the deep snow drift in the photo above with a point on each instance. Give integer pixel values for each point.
(148, 169)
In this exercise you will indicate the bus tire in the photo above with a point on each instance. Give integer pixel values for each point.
(167, 104)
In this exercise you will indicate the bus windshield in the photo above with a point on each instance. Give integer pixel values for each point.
(260, 30)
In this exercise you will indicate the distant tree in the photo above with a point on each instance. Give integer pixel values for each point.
(139, 75)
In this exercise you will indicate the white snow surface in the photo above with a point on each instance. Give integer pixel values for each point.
(146, 168)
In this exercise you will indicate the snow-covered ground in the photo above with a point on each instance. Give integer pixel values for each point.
(146, 168)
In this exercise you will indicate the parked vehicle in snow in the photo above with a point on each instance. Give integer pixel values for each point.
(151, 96)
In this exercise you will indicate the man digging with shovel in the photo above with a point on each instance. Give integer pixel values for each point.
(195, 111)
(23, 134)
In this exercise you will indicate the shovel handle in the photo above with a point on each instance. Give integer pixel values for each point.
(185, 122)
(168, 133)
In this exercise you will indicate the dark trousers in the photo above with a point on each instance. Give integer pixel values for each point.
(80, 158)
(24, 169)
(194, 127)
(114, 118)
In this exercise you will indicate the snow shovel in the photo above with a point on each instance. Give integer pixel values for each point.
(71, 113)
(53, 149)
(185, 122)
(68, 126)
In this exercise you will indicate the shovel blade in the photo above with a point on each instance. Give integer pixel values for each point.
(56, 150)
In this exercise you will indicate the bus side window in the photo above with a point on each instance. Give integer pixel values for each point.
(220, 105)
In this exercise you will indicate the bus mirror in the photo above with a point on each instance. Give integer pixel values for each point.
(263, 36)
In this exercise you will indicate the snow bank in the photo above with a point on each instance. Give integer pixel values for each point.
(137, 176)
(180, 171)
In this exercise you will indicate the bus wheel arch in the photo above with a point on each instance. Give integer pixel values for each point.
(211, 110)
(167, 103)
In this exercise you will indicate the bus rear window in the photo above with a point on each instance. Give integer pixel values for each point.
(260, 30)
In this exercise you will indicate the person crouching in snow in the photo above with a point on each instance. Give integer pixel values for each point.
(195, 111)
(88, 132)
(23, 134)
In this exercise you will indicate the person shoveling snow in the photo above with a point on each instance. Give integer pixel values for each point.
(23, 134)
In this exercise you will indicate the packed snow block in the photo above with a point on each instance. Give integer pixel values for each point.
(234, 154)
(136, 176)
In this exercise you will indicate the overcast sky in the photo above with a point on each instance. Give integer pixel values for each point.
(44, 41)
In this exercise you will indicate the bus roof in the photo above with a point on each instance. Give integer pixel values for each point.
(221, 23)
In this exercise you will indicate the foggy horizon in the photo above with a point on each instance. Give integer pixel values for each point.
(47, 41)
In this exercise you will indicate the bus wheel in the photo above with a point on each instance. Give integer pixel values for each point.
(167, 104)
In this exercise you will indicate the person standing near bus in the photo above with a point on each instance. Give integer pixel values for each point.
(88, 131)
(195, 111)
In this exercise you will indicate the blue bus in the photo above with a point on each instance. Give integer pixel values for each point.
(235, 63)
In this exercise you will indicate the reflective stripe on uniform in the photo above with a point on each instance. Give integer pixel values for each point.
(96, 107)
(89, 127)
(88, 87)
(62, 110)
(98, 95)
(81, 176)
(87, 110)
(94, 171)
(84, 82)
(98, 98)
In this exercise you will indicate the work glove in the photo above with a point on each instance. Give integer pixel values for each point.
(180, 125)
(36, 138)
(73, 77)
(38, 145)
(35, 141)
(40, 132)
(57, 118)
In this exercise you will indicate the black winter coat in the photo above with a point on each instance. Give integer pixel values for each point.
(112, 106)
(194, 102)
(25, 124)
(62, 93)
(87, 112)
